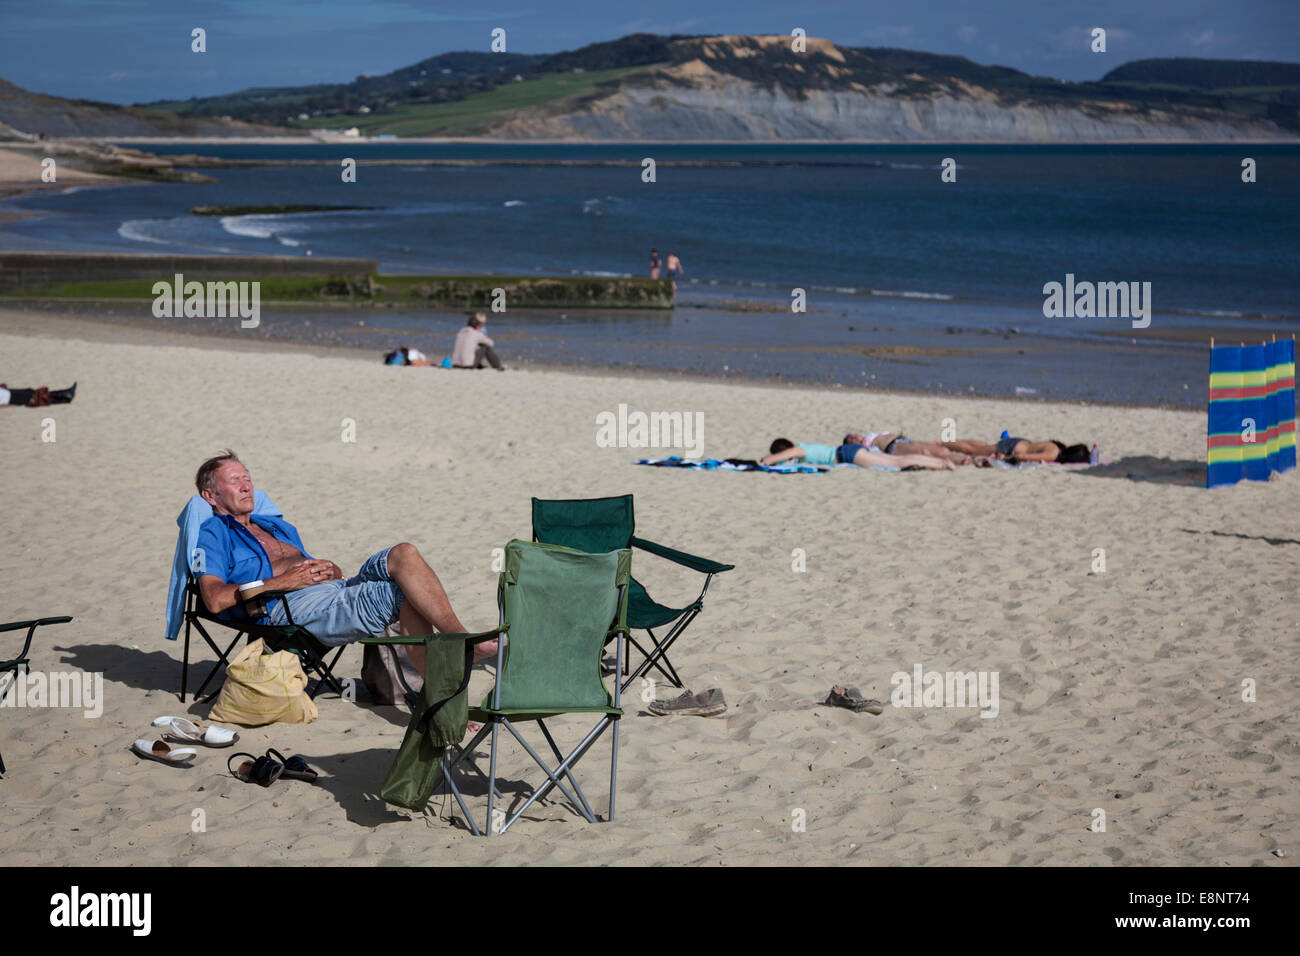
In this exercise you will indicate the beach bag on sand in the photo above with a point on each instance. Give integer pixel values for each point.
(264, 688)
(383, 666)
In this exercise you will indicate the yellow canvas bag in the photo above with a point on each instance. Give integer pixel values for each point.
(264, 688)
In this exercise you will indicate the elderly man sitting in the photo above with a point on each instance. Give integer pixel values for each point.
(237, 546)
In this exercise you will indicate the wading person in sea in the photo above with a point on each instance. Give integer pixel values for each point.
(654, 263)
(473, 348)
(674, 268)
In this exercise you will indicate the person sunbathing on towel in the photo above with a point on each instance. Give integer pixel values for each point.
(850, 453)
(236, 547)
(1022, 449)
(894, 444)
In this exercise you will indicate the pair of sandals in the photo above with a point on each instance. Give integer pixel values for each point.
(185, 730)
(267, 769)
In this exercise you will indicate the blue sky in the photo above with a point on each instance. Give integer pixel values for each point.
(127, 51)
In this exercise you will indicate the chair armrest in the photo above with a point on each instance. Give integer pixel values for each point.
(37, 623)
(703, 565)
(477, 638)
(31, 629)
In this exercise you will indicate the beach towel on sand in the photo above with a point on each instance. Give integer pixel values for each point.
(744, 464)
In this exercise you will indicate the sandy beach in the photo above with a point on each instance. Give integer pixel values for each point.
(1120, 690)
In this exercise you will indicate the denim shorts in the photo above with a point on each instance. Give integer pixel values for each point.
(846, 453)
(340, 612)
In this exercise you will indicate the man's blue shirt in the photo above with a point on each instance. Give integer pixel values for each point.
(228, 550)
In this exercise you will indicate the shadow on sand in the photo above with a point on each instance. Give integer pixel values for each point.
(1162, 471)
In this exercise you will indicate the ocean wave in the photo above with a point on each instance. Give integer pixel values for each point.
(921, 166)
(134, 229)
(514, 202)
(911, 294)
(254, 227)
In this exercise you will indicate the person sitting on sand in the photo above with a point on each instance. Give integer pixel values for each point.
(1022, 449)
(849, 453)
(36, 397)
(236, 546)
(472, 347)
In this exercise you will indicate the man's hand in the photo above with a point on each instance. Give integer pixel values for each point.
(304, 574)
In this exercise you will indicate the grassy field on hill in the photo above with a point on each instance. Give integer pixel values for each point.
(472, 114)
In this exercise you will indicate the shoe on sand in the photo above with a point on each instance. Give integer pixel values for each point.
(193, 732)
(708, 703)
(851, 698)
(259, 770)
(157, 750)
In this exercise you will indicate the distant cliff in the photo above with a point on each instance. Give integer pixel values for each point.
(756, 88)
(648, 87)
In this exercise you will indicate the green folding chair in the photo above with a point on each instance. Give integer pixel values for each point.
(608, 524)
(21, 663)
(558, 608)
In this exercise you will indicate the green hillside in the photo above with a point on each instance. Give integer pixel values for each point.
(471, 115)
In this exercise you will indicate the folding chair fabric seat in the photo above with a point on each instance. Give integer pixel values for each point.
(606, 524)
(558, 608)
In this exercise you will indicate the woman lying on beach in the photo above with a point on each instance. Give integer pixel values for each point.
(36, 397)
(1022, 449)
(848, 453)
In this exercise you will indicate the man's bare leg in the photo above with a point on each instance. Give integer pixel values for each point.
(934, 449)
(969, 446)
(427, 600)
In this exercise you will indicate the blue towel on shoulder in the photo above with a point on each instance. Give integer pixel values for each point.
(191, 518)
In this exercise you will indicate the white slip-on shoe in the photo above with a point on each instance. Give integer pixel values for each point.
(196, 733)
(157, 750)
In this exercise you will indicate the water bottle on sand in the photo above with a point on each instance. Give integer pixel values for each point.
(1094, 458)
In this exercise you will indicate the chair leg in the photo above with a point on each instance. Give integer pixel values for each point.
(455, 792)
(613, 772)
(185, 660)
(660, 653)
(568, 773)
(223, 657)
(325, 672)
(464, 754)
(553, 779)
(492, 775)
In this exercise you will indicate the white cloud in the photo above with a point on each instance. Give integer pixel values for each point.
(967, 34)
(1204, 39)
